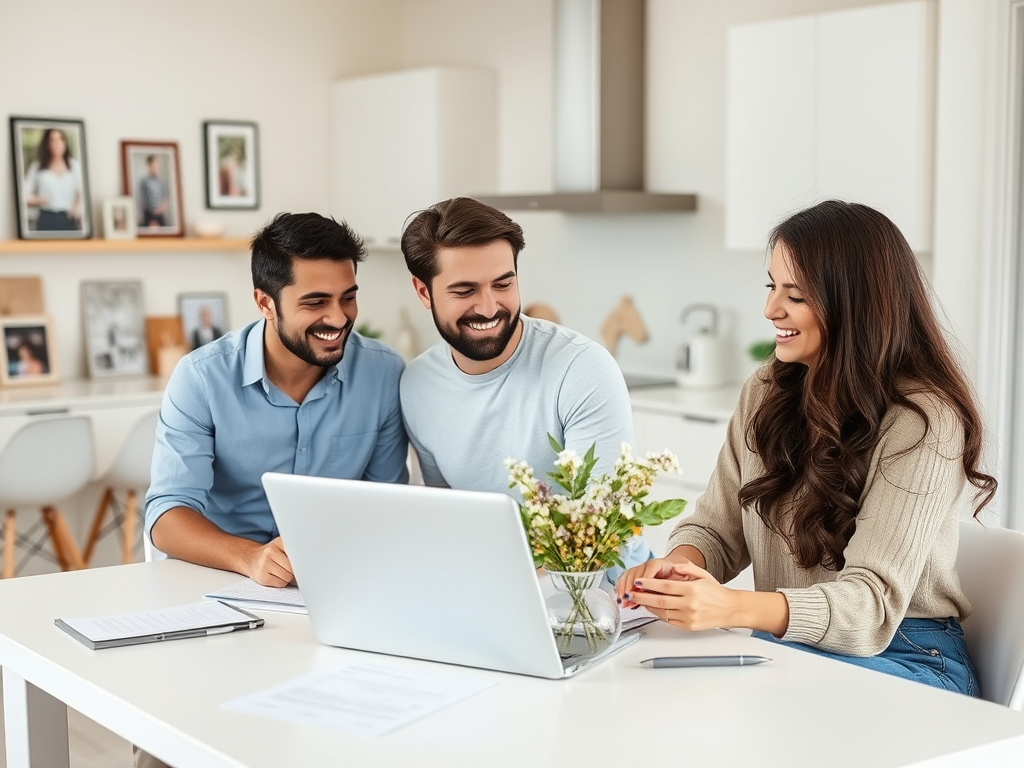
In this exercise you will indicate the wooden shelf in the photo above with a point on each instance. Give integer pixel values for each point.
(139, 245)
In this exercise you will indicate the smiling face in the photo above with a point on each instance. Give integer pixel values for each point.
(313, 316)
(797, 331)
(474, 300)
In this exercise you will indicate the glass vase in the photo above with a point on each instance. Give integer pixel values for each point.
(584, 618)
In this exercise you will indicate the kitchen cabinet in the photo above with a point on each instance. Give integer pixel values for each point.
(692, 425)
(833, 105)
(403, 141)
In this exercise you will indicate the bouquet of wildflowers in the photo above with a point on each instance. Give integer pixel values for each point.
(581, 529)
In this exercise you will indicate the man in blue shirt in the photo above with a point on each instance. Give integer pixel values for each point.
(299, 391)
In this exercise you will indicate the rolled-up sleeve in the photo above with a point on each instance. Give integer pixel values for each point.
(182, 468)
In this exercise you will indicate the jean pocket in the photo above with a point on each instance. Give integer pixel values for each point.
(929, 657)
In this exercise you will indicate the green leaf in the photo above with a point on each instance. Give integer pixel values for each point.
(554, 444)
(658, 512)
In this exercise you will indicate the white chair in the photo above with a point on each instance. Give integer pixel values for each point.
(130, 473)
(46, 461)
(990, 563)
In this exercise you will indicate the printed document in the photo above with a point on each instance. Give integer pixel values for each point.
(363, 699)
(249, 594)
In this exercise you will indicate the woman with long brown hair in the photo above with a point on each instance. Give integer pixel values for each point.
(842, 474)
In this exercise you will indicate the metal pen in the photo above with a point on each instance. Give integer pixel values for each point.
(663, 662)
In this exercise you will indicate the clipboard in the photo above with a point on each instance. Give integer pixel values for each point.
(178, 622)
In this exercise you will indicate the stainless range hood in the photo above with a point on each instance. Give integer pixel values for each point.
(598, 115)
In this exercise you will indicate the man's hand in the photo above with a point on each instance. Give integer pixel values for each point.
(270, 565)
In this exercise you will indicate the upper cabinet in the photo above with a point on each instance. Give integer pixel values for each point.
(835, 105)
(403, 141)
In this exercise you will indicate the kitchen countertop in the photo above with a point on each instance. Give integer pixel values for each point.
(717, 404)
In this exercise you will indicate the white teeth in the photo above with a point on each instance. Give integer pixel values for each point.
(327, 336)
(784, 333)
(483, 326)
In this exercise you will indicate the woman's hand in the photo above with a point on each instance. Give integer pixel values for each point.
(684, 595)
(659, 568)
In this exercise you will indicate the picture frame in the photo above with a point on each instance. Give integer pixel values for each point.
(51, 186)
(119, 218)
(115, 328)
(29, 350)
(204, 317)
(231, 151)
(151, 176)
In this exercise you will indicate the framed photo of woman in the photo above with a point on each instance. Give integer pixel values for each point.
(29, 350)
(232, 164)
(151, 177)
(51, 188)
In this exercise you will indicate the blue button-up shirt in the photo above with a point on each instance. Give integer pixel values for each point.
(223, 424)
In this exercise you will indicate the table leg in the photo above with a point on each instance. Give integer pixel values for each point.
(36, 725)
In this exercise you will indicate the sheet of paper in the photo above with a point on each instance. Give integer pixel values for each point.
(363, 699)
(249, 594)
(158, 621)
(632, 619)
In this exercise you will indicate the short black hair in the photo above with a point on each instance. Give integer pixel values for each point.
(293, 236)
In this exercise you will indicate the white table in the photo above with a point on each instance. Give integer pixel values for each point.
(800, 710)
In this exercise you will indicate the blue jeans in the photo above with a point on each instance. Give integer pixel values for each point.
(929, 651)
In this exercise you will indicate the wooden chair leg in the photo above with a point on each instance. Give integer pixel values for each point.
(97, 525)
(64, 541)
(10, 533)
(128, 528)
(51, 529)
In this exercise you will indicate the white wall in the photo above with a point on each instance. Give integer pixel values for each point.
(130, 72)
(581, 264)
(155, 72)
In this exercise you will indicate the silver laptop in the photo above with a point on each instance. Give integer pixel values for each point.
(427, 573)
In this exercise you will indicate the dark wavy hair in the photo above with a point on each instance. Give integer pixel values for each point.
(817, 427)
(43, 153)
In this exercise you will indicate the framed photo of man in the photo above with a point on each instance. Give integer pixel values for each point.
(204, 317)
(51, 189)
(29, 350)
(151, 176)
(232, 164)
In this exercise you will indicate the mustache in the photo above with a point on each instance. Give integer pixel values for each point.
(502, 315)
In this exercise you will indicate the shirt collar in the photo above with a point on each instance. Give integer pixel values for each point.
(255, 368)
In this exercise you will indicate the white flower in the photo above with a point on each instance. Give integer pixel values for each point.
(568, 459)
(626, 510)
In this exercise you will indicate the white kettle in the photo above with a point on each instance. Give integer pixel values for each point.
(702, 359)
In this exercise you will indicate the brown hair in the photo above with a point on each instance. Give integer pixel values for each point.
(454, 223)
(817, 427)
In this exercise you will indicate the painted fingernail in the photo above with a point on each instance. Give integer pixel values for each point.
(618, 600)
(626, 596)
(638, 583)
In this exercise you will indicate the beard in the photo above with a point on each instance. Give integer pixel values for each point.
(299, 345)
(475, 348)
